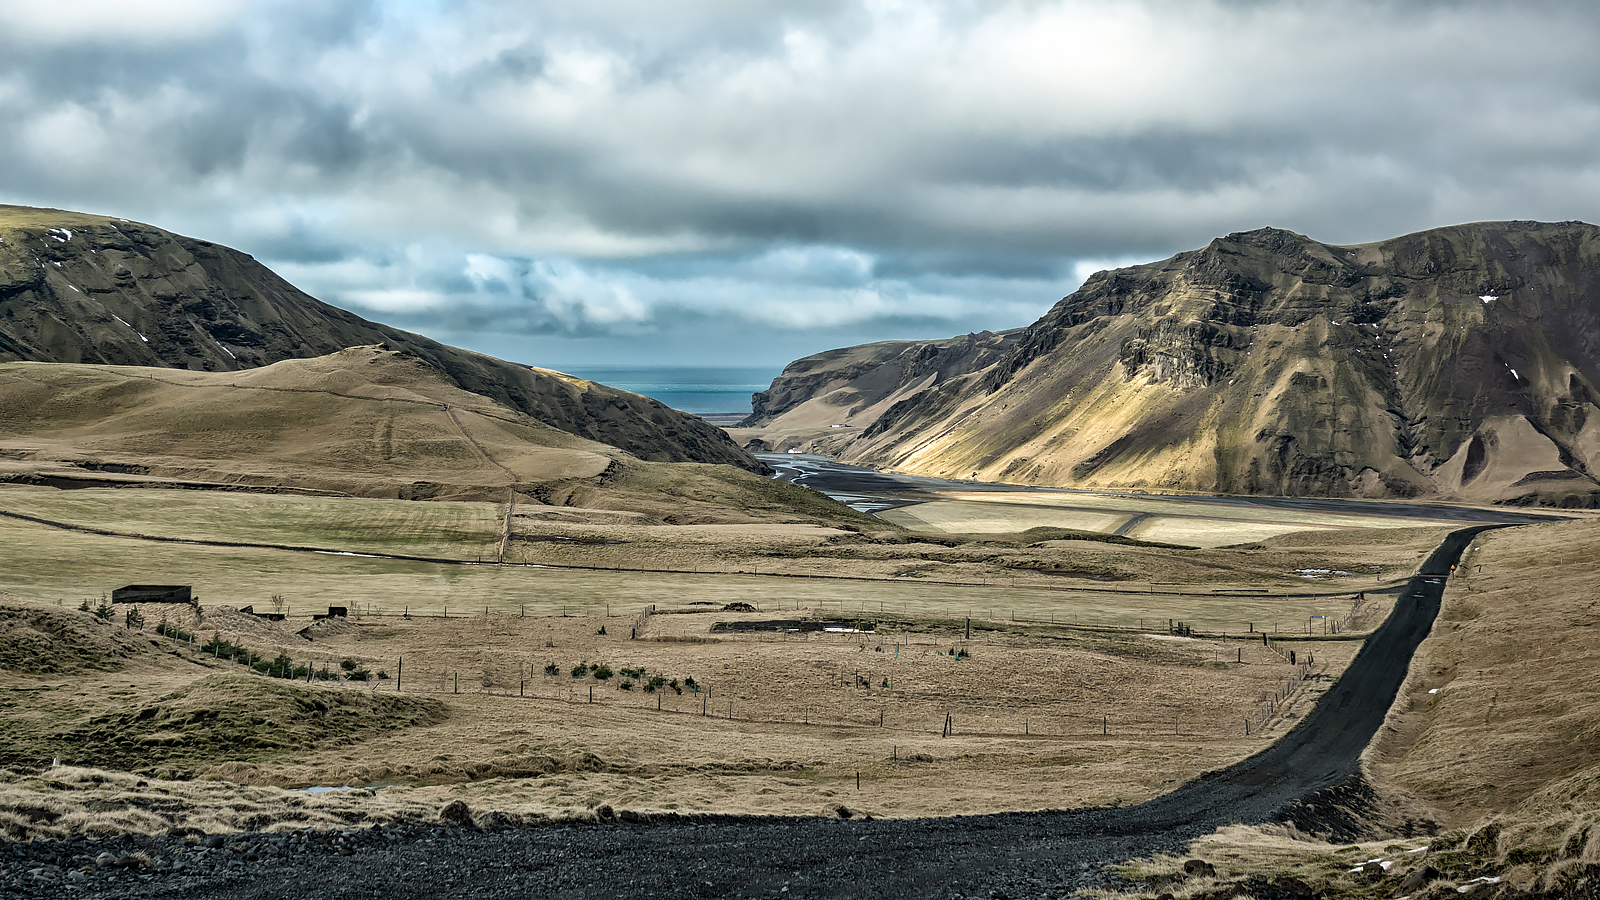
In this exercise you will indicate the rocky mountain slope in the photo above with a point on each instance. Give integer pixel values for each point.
(90, 289)
(1456, 363)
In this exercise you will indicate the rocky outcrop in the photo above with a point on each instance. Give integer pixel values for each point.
(1456, 363)
(90, 289)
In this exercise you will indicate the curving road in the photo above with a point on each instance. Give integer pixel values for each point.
(1007, 855)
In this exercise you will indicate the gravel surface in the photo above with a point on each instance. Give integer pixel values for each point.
(1044, 854)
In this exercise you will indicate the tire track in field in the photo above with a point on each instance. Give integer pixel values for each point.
(450, 411)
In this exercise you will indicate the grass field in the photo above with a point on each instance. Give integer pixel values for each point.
(70, 567)
(443, 529)
(1123, 708)
(776, 722)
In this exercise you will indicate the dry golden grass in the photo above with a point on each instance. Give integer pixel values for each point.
(1027, 704)
(1548, 856)
(1494, 735)
(1030, 582)
(1501, 711)
(366, 422)
(69, 800)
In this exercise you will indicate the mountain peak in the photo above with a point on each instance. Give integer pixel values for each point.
(1458, 363)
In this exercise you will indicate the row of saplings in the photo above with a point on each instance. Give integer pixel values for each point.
(281, 666)
(629, 677)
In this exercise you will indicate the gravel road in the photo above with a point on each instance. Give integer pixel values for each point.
(1045, 854)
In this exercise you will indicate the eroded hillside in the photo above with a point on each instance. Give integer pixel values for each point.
(1456, 363)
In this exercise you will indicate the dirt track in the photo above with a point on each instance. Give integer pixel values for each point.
(1006, 855)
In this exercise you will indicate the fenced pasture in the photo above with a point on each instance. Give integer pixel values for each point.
(1093, 672)
(930, 720)
(71, 566)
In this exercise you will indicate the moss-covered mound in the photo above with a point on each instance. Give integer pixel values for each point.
(240, 717)
(52, 641)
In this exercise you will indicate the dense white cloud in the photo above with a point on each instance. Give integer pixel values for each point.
(610, 179)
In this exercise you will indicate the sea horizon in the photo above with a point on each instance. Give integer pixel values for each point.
(702, 390)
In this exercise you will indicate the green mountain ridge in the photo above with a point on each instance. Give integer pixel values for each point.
(1458, 363)
(77, 288)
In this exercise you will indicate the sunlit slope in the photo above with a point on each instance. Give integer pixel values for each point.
(92, 289)
(368, 421)
(1457, 363)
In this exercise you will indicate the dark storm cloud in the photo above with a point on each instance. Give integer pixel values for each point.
(623, 175)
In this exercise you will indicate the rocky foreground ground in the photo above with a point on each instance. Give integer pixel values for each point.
(660, 858)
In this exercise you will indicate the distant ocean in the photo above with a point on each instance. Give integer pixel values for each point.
(703, 390)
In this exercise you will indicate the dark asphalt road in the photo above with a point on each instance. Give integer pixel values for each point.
(1007, 855)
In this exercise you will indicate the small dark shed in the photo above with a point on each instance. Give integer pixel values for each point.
(152, 593)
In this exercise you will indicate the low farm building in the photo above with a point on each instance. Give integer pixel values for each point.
(152, 593)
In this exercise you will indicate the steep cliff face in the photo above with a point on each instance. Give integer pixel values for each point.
(1455, 363)
(90, 289)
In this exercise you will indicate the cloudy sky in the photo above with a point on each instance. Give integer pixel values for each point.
(748, 181)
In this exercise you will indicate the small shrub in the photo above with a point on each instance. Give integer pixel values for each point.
(738, 606)
(689, 683)
(580, 670)
(626, 685)
(676, 688)
(602, 672)
(134, 619)
(84, 606)
(103, 611)
(552, 669)
(221, 648)
(281, 667)
(656, 683)
(382, 675)
(166, 629)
